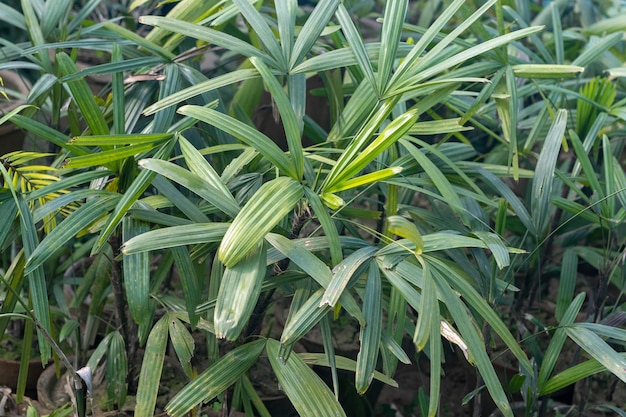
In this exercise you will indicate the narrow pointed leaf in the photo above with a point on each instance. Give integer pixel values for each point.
(189, 234)
(370, 334)
(151, 367)
(193, 182)
(305, 260)
(269, 205)
(547, 71)
(238, 294)
(197, 89)
(361, 158)
(544, 171)
(212, 36)
(599, 350)
(394, 15)
(183, 344)
(137, 274)
(245, 133)
(80, 219)
(400, 226)
(92, 113)
(312, 29)
(216, 379)
(343, 273)
(201, 167)
(263, 31)
(189, 281)
(307, 316)
(286, 17)
(428, 306)
(372, 177)
(307, 392)
(476, 346)
(553, 352)
(132, 194)
(287, 115)
(106, 157)
(355, 40)
(120, 139)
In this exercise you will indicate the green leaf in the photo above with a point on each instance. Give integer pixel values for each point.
(195, 183)
(151, 367)
(457, 277)
(169, 237)
(31, 22)
(391, 32)
(307, 392)
(475, 346)
(344, 272)
(267, 207)
(139, 185)
(238, 294)
(599, 350)
(12, 16)
(286, 17)
(91, 111)
(117, 370)
(55, 14)
(121, 139)
(79, 220)
(347, 364)
(7, 116)
(312, 29)
(372, 177)
(416, 58)
(300, 256)
(138, 39)
(245, 133)
(567, 283)
(495, 244)
(183, 344)
(574, 374)
(437, 127)
(197, 89)
(313, 266)
(287, 115)
(400, 226)
(553, 352)
(544, 171)
(328, 225)
(263, 31)
(136, 269)
(51, 135)
(106, 157)
(370, 334)
(426, 314)
(547, 71)
(189, 280)
(307, 316)
(212, 36)
(216, 379)
(352, 162)
(608, 25)
(201, 167)
(437, 177)
(357, 46)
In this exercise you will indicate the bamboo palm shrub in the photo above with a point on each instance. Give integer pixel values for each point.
(323, 185)
(373, 220)
(547, 129)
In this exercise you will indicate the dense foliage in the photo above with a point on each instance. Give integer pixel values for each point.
(422, 169)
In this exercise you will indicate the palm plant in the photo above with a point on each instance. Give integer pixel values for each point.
(373, 221)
